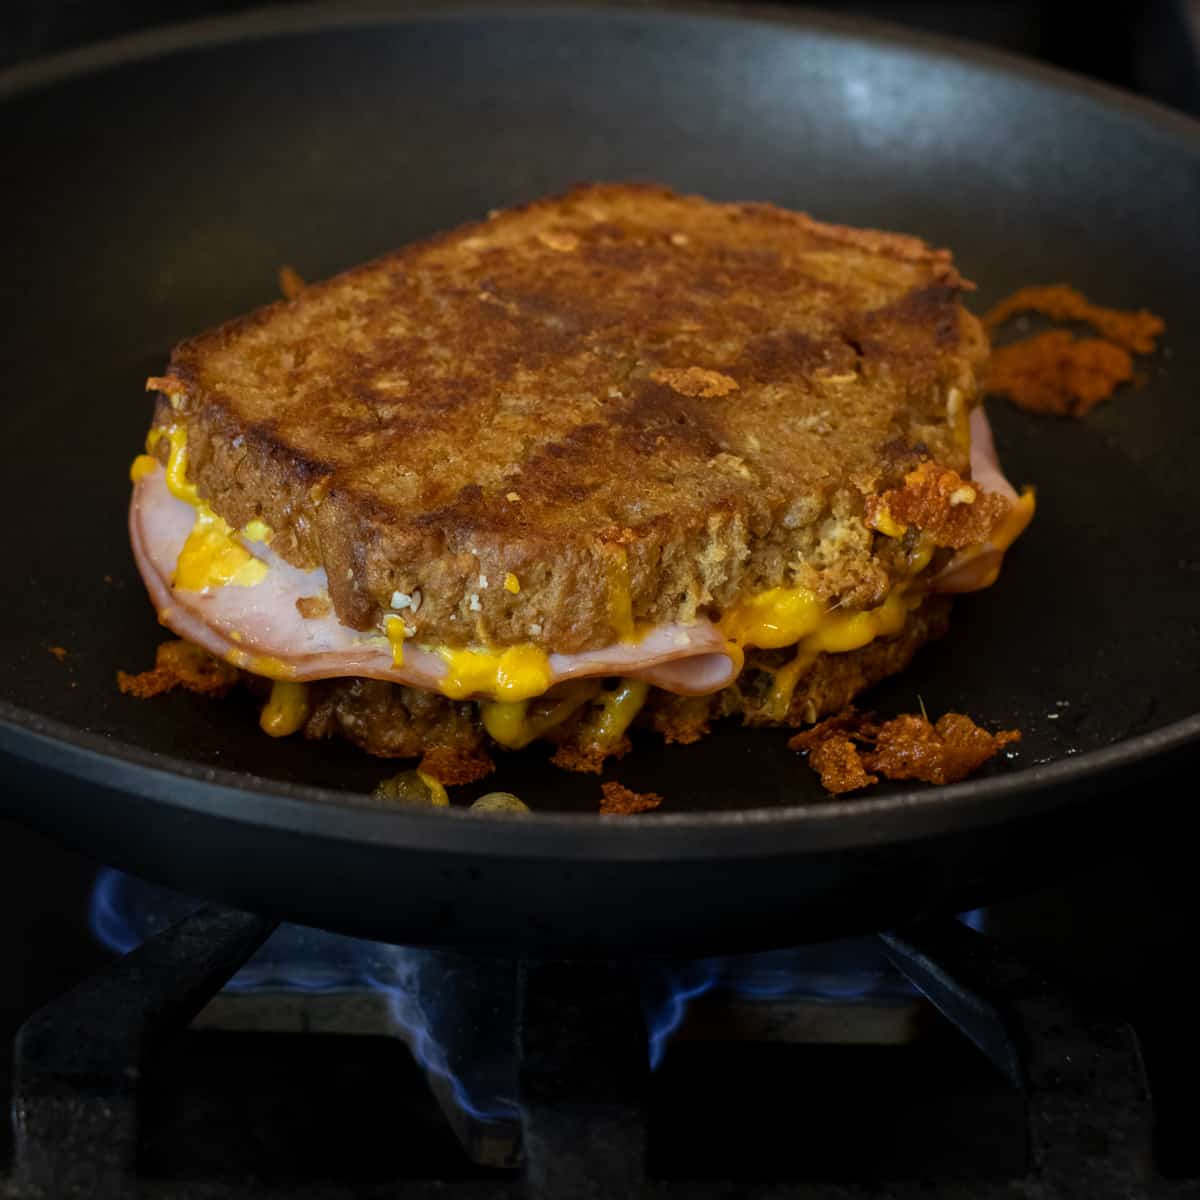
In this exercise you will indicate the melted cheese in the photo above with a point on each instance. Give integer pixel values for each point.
(775, 618)
(512, 724)
(437, 793)
(783, 684)
(783, 617)
(839, 632)
(615, 712)
(620, 598)
(143, 465)
(211, 556)
(515, 673)
(396, 632)
(286, 710)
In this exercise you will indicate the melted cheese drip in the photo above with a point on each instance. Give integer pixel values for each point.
(211, 557)
(512, 724)
(615, 713)
(620, 599)
(396, 632)
(437, 792)
(515, 673)
(287, 709)
(783, 684)
(775, 618)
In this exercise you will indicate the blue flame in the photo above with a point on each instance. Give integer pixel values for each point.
(124, 912)
(423, 986)
(976, 919)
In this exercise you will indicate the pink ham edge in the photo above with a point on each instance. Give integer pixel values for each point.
(689, 660)
(977, 567)
(266, 617)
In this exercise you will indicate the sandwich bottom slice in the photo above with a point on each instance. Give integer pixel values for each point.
(619, 459)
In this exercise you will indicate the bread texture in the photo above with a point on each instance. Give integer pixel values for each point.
(616, 397)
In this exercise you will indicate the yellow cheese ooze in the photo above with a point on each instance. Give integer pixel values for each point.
(774, 618)
(211, 556)
(516, 723)
(517, 673)
(287, 709)
(616, 711)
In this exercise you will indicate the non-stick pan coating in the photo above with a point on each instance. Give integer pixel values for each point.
(161, 183)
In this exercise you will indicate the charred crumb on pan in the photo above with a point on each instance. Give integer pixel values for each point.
(616, 799)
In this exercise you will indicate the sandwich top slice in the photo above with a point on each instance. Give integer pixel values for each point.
(617, 442)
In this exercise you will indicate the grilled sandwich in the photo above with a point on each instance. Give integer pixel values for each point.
(620, 455)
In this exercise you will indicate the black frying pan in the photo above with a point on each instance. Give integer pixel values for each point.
(163, 179)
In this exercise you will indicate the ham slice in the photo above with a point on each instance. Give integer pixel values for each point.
(260, 627)
(262, 622)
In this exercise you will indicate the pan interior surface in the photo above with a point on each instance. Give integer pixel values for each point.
(165, 192)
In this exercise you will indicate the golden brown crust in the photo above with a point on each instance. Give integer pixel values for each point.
(379, 421)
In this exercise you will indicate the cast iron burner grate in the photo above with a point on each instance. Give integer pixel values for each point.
(81, 1064)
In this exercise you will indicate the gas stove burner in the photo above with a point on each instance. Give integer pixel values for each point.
(581, 1118)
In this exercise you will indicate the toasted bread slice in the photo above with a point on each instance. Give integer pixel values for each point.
(620, 402)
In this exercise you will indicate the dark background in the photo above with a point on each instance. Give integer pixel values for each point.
(1122, 931)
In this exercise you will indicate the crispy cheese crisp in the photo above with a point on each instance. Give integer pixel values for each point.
(451, 767)
(936, 500)
(851, 751)
(180, 664)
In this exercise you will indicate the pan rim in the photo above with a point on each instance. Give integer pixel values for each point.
(304, 809)
(267, 21)
(750, 832)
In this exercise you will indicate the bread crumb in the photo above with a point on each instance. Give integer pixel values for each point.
(512, 583)
(616, 799)
(403, 600)
(311, 608)
(695, 381)
(291, 282)
(564, 243)
(512, 497)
